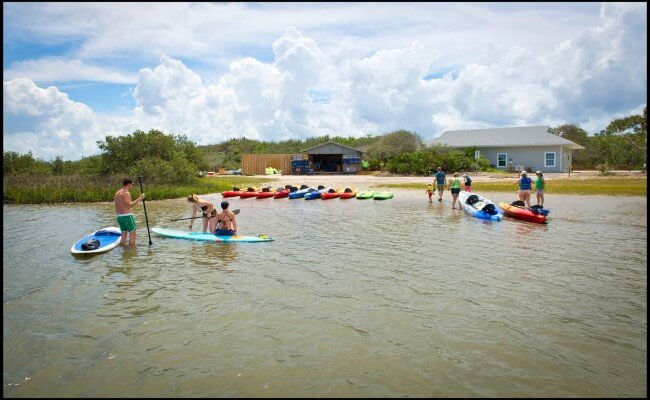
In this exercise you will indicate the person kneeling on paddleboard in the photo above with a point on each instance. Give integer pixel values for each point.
(226, 222)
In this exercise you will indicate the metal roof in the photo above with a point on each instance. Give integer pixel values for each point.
(327, 144)
(504, 137)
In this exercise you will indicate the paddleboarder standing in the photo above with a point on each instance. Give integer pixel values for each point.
(125, 217)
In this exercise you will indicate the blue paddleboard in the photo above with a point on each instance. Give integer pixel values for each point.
(98, 241)
(208, 237)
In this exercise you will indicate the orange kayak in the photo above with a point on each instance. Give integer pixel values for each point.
(522, 213)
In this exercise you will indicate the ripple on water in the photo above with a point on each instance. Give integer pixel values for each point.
(352, 299)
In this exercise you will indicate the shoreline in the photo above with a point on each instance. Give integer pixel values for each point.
(379, 179)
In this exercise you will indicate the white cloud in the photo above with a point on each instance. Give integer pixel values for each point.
(588, 78)
(46, 122)
(50, 69)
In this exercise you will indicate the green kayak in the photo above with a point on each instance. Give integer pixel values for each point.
(365, 195)
(383, 195)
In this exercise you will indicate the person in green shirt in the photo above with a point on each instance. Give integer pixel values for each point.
(540, 185)
(455, 189)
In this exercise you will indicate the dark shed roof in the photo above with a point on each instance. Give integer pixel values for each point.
(331, 148)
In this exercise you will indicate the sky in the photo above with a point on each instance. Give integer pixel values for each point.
(74, 73)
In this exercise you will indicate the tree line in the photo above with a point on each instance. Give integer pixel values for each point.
(175, 159)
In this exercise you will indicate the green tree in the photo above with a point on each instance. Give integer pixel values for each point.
(57, 165)
(164, 158)
(393, 144)
(571, 132)
(15, 163)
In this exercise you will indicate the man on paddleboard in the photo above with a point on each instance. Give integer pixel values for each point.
(125, 217)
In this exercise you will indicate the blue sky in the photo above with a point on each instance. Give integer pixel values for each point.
(76, 72)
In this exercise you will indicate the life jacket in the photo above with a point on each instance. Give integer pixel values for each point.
(490, 209)
(91, 244)
(472, 199)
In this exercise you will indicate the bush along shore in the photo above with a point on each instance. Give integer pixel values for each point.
(50, 189)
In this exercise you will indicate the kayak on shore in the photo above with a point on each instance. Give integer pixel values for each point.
(523, 213)
(479, 206)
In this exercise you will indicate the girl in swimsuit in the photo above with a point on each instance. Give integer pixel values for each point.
(227, 224)
(208, 210)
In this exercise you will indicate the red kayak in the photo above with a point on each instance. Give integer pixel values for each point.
(522, 213)
(231, 193)
(265, 195)
(281, 193)
(245, 195)
(329, 195)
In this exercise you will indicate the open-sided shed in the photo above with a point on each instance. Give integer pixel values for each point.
(333, 157)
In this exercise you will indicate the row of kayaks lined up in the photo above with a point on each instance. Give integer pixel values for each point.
(307, 193)
(483, 208)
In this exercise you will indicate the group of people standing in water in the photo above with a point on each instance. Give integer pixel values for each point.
(526, 187)
(222, 223)
(524, 182)
(441, 182)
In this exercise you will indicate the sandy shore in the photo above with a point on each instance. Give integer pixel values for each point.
(377, 180)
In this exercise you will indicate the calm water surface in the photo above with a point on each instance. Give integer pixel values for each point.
(397, 298)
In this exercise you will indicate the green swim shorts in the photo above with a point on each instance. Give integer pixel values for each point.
(127, 222)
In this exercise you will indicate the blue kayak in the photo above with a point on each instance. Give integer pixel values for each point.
(298, 194)
(98, 241)
(208, 237)
(479, 206)
(315, 194)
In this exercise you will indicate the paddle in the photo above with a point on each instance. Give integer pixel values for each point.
(145, 211)
(236, 212)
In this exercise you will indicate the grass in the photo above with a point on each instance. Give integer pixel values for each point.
(610, 186)
(26, 189)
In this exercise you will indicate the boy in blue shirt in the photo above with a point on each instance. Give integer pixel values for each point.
(440, 181)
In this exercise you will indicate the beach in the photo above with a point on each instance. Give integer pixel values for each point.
(361, 181)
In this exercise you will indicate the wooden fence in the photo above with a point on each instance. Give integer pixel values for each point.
(254, 164)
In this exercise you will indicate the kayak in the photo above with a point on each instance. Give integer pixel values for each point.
(231, 193)
(330, 195)
(265, 195)
(315, 194)
(208, 237)
(479, 206)
(348, 195)
(247, 194)
(298, 194)
(281, 193)
(365, 195)
(98, 241)
(383, 195)
(522, 213)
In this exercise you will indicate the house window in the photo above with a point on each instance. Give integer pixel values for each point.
(501, 160)
(549, 159)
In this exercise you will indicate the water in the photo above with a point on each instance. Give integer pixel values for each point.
(354, 298)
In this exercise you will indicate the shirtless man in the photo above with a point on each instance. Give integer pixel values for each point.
(123, 205)
(227, 224)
